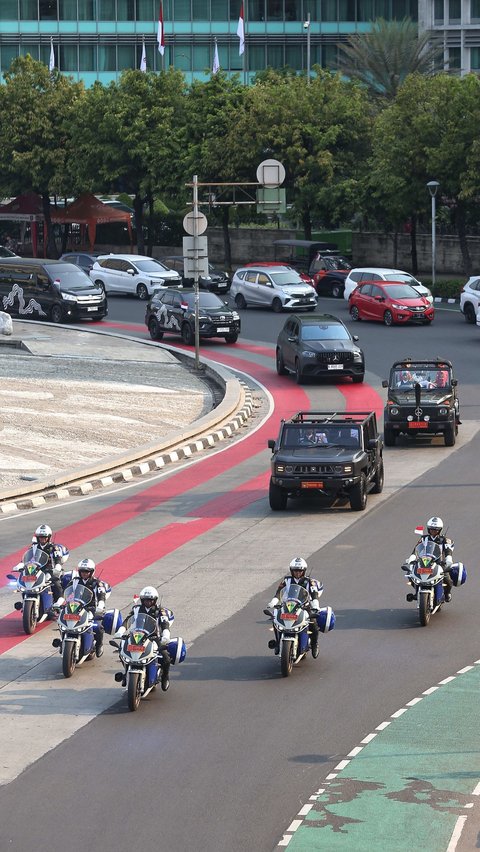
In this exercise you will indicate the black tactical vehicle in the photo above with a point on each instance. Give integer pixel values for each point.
(333, 453)
(422, 400)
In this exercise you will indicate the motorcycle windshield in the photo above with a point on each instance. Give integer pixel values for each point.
(296, 593)
(79, 593)
(34, 554)
(144, 622)
(428, 550)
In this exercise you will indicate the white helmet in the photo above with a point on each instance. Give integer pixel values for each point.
(148, 596)
(434, 526)
(298, 567)
(86, 566)
(43, 531)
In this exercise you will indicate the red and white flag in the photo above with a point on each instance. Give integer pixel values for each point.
(161, 31)
(241, 31)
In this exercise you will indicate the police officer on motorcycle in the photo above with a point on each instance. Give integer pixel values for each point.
(435, 535)
(149, 606)
(298, 575)
(57, 553)
(86, 577)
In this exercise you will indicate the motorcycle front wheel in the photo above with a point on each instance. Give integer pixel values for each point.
(286, 659)
(68, 659)
(29, 617)
(133, 693)
(424, 609)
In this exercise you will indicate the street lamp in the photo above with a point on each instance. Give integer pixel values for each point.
(306, 26)
(432, 187)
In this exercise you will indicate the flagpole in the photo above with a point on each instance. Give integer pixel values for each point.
(245, 42)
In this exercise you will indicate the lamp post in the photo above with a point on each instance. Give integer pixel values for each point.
(432, 187)
(306, 26)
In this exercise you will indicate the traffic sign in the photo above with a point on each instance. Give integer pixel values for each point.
(192, 219)
(271, 173)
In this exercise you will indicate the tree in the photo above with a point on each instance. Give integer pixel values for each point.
(382, 58)
(36, 145)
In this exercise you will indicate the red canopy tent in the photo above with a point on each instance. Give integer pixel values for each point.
(88, 210)
(27, 208)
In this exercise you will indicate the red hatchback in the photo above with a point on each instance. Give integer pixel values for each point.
(389, 302)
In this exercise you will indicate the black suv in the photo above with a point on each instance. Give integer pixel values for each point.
(422, 400)
(173, 312)
(330, 452)
(318, 346)
(216, 281)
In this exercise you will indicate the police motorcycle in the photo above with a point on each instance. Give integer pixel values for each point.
(35, 586)
(77, 625)
(291, 623)
(424, 571)
(138, 651)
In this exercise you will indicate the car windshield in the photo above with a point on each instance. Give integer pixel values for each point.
(150, 266)
(320, 435)
(68, 276)
(404, 277)
(208, 300)
(325, 332)
(401, 291)
(282, 279)
(428, 376)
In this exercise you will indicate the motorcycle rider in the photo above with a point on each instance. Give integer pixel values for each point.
(57, 553)
(149, 606)
(86, 577)
(298, 575)
(434, 534)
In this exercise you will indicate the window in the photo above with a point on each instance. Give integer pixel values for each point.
(8, 53)
(275, 56)
(256, 58)
(219, 10)
(9, 10)
(201, 57)
(438, 11)
(454, 58)
(365, 290)
(126, 56)
(181, 10)
(274, 10)
(454, 11)
(68, 57)
(200, 12)
(475, 12)
(256, 11)
(147, 10)
(87, 58)
(47, 10)
(32, 49)
(346, 10)
(365, 10)
(107, 58)
(28, 10)
(263, 280)
(125, 10)
(67, 10)
(106, 10)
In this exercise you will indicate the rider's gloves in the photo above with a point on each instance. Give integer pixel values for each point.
(448, 562)
(315, 605)
(273, 603)
(165, 637)
(100, 606)
(57, 571)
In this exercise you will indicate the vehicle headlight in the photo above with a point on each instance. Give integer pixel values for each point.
(279, 468)
(235, 315)
(348, 468)
(68, 297)
(357, 356)
(307, 353)
(443, 411)
(289, 468)
(400, 307)
(394, 410)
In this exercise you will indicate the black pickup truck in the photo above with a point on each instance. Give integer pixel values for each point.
(334, 453)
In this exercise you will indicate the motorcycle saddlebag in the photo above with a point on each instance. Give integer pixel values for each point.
(458, 573)
(112, 620)
(177, 650)
(326, 619)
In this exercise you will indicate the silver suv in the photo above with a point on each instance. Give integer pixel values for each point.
(132, 273)
(280, 289)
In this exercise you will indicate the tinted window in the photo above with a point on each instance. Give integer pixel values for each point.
(166, 298)
(365, 289)
(210, 300)
(69, 276)
(355, 276)
(325, 332)
(150, 266)
(280, 279)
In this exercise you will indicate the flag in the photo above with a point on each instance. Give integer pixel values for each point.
(216, 61)
(143, 61)
(51, 62)
(161, 31)
(241, 31)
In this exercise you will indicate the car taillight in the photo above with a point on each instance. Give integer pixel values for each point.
(184, 306)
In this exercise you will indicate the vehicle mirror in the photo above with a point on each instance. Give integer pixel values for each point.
(379, 298)
(293, 339)
(372, 443)
(355, 337)
(384, 383)
(271, 444)
(131, 270)
(454, 383)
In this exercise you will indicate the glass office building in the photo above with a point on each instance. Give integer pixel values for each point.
(98, 39)
(455, 25)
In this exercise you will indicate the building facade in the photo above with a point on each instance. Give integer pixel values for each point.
(455, 24)
(98, 39)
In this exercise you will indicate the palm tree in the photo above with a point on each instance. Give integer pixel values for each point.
(383, 57)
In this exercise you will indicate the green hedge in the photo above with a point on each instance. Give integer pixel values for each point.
(446, 289)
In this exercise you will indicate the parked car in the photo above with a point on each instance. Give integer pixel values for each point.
(136, 274)
(271, 263)
(329, 271)
(470, 299)
(82, 259)
(318, 346)
(216, 281)
(390, 302)
(171, 312)
(279, 289)
(49, 290)
(375, 273)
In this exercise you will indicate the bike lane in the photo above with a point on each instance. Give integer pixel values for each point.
(409, 784)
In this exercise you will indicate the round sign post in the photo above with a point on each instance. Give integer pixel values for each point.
(271, 173)
(195, 223)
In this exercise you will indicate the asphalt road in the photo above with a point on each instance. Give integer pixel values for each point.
(226, 758)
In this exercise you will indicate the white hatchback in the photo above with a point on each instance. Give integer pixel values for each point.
(377, 273)
(133, 273)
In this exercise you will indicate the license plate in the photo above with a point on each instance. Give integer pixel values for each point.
(335, 366)
(312, 484)
(288, 616)
(223, 329)
(92, 309)
(131, 648)
(70, 616)
(418, 424)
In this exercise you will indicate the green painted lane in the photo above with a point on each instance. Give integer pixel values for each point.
(407, 787)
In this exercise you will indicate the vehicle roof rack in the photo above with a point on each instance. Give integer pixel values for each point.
(333, 416)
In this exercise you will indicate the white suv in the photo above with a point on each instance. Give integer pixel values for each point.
(132, 273)
(279, 288)
(470, 299)
(376, 273)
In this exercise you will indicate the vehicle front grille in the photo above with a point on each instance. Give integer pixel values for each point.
(315, 468)
(335, 357)
(89, 300)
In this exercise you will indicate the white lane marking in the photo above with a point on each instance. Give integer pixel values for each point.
(466, 669)
(294, 825)
(413, 701)
(341, 765)
(446, 680)
(383, 725)
(355, 751)
(368, 739)
(399, 713)
(429, 691)
(305, 810)
(456, 833)
(476, 791)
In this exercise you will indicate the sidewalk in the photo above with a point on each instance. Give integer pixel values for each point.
(75, 400)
